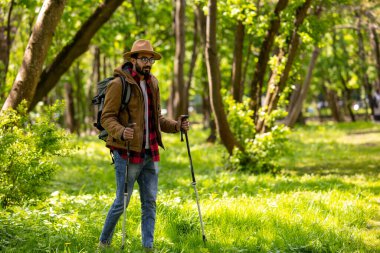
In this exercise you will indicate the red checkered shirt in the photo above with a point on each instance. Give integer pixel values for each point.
(138, 157)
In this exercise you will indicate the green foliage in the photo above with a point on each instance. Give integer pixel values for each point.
(240, 118)
(325, 201)
(261, 150)
(261, 154)
(27, 153)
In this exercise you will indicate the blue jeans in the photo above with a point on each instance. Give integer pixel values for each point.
(146, 175)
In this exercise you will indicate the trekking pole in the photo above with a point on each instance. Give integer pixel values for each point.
(126, 192)
(194, 183)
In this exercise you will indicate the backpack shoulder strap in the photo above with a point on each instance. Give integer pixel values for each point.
(122, 89)
(126, 95)
(128, 91)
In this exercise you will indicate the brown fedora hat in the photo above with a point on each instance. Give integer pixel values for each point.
(142, 46)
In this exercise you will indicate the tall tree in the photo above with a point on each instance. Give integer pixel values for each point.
(214, 79)
(363, 62)
(237, 88)
(78, 45)
(177, 98)
(70, 121)
(7, 34)
(194, 57)
(246, 63)
(27, 78)
(373, 28)
(332, 99)
(95, 78)
(273, 93)
(300, 94)
(208, 121)
(81, 110)
(342, 72)
(265, 50)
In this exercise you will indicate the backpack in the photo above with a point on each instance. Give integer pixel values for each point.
(98, 101)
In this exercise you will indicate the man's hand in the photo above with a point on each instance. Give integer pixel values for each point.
(128, 132)
(183, 124)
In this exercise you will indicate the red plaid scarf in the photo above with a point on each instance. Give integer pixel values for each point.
(138, 157)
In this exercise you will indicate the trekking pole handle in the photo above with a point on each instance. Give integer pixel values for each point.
(183, 117)
(130, 125)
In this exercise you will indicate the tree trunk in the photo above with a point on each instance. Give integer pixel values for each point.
(92, 90)
(194, 56)
(201, 17)
(177, 96)
(237, 89)
(214, 78)
(27, 78)
(171, 109)
(296, 102)
(374, 37)
(347, 92)
(7, 34)
(246, 64)
(348, 99)
(208, 121)
(332, 99)
(294, 97)
(266, 48)
(273, 93)
(105, 72)
(376, 49)
(70, 111)
(363, 64)
(80, 106)
(296, 107)
(78, 45)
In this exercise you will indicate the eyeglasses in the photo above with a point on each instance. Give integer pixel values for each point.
(145, 60)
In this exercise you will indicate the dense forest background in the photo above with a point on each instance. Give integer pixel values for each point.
(309, 58)
(242, 67)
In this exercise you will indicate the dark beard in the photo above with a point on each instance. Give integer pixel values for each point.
(145, 71)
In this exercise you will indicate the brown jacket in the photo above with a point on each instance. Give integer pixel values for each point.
(114, 120)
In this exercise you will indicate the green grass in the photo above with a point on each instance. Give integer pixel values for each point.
(325, 200)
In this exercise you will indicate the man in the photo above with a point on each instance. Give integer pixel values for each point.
(138, 127)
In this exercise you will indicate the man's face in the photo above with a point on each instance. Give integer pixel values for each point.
(143, 68)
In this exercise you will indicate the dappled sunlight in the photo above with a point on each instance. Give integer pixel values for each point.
(296, 214)
(315, 205)
(361, 138)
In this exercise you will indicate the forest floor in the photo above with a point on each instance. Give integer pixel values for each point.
(326, 199)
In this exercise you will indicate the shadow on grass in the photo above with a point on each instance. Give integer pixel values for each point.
(252, 185)
(84, 175)
(334, 158)
(341, 168)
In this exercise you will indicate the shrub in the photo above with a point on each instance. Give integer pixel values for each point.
(27, 153)
(261, 150)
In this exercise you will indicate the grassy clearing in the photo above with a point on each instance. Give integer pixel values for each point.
(326, 200)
